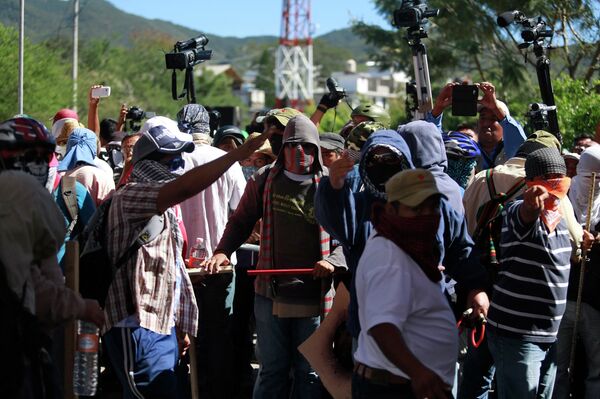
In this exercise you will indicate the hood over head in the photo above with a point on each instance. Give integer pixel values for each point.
(300, 129)
(383, 138)
(429, 152)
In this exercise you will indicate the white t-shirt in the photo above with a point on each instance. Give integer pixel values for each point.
(392, 288)
(205, 214)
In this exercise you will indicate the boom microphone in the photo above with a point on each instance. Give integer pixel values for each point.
(507, 18)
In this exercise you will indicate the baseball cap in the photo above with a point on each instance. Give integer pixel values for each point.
(65, 113)
(411, 187)
(331, 141)
(160, 139)
(283, 115)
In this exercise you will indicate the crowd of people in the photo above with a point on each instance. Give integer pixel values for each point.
(424, 227)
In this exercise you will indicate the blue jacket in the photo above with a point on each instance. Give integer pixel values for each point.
(512, 138)
(347, 217)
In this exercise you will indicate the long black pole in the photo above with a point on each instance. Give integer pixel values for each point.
(543, 74)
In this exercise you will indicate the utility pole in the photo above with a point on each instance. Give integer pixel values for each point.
(294, 59)
(21, 54)
(75, 50)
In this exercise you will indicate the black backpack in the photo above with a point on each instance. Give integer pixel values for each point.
(96, 271)
(489, 222)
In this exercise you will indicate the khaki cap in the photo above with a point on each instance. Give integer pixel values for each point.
(283, 115)
(411, 187)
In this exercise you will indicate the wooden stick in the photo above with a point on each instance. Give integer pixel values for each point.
(588, 223)
(193, 369)
(71, 281)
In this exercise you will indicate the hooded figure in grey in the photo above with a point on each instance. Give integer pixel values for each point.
(428, 152)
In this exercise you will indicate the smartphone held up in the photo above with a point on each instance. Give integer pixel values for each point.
(464, 100)
(102, 91)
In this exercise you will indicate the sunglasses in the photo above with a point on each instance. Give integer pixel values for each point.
(390, 159)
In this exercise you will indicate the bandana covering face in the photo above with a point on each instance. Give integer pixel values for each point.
(416, 236)
(299, 159)
(248, 171)
(558, 189)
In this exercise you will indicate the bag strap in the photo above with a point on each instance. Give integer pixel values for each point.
(69, 195)
(152, 230)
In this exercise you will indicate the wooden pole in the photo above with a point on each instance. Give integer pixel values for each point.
(71, 281)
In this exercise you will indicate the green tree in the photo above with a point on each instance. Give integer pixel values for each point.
(47, 83)
(578, 108)
(465, 39)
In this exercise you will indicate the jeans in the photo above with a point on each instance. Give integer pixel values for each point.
(214, 345)
(588, 331)
(523, 369)
(478, 372)
(277, 343)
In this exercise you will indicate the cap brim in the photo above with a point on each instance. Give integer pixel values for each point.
(418, 197)
(330, 146)
(178, 147)
(261, 119)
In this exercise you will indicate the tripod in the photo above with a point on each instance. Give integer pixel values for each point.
(424, 100)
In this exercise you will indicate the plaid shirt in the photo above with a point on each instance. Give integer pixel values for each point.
(145, 284)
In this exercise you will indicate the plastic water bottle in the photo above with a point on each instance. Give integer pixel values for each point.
(85, 365)
(198, 254)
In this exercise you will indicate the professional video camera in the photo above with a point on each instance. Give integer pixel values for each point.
(335, 90)
(533, 30)
(186, 54)
(538, 115)
(134, 116)
(413, 13)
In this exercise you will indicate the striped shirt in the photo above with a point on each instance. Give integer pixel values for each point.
(530, 293)
(145, 285)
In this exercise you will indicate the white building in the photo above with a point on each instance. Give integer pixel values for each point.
(372, 85)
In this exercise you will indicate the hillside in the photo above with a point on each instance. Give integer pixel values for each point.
(51, 20)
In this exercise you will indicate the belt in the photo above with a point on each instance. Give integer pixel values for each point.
(379, 376)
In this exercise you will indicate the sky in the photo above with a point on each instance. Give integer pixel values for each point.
(242, 18)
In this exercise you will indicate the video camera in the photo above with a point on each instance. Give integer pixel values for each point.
(538, 115)
(335, 90)
(135, 115)
(533, 30)
(413, 13)
(188, 53)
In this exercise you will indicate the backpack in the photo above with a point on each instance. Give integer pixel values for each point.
(489, 222)
(96, 271)
(69, 196)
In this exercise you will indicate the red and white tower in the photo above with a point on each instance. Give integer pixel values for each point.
(294, 60)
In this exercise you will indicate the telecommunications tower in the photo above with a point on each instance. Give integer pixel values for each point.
(294, 60)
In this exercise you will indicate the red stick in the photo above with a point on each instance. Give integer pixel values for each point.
(279, 271)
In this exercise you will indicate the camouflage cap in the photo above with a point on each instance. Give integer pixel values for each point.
(360, 133)
(283, 115)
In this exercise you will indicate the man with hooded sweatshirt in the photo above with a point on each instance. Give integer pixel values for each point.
(347, 215)
(286, 308)
(428, 151)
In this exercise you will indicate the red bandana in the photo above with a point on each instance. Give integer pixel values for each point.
(416, 236)
(299, 159)
(558, 189)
